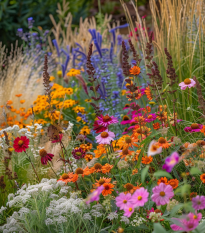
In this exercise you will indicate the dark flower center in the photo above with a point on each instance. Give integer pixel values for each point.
(97, 166)
(194, 126)
(20, 142)
(187, 81)
(125, 201)
(125, 151)
(126, 118)
(129, 186)
(104, 134)
(65, 176)
(43, 153)
(107, 187)
(162, 140)
(79, 171)
(101, 181)
(128, 140)
(107, 118)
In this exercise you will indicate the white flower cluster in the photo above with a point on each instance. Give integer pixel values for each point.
(112, 215)
(97, 211)
(125, 219)
(138, 220)
(155, 217)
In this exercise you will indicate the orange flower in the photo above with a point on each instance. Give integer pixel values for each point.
(9, 102)
(147, 159)
(66, 177)
(162, 180)
(22, 101)
(100, 150)
(193, 194)
(135, 171)
(18, 95)
(88, 157)
(203, 130)
(135, 70)
(80, 171)
(156, 125)
(107, 189)
(101, 181)
(106, 168)
(163, 143)
(148, 93)
(125, 152)
(202, 177)
(131, 188)
(174, 183)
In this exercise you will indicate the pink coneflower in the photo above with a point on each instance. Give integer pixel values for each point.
(171, 161)
(151, 117)
(123, 200)
(57, 138)
(187, 83)
(98, 128)
(78, 153)
(187, 223)
(125, 120)
(154, 148)
(45, 157)
(162, 193)
(95, 195)
(198, 202)
(21, 144)
(105, 137)
(193, 128)
(106, 120)
(140, 197)
(129, 211)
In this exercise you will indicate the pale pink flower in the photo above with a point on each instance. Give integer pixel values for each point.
(129, 209)
(162, 193)
(140, 197)
(95, 195)
(105, 137)
(123, 200)
(187, 83)
(154, 148)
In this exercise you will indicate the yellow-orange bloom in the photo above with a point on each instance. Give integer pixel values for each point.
(22, 101)
(18, 95)
(135, 70)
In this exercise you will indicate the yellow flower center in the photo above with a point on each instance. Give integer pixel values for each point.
(78, 153)
(104, 134)
(187, 81)
(20, 142)
(139, 198)
(195, 217)
(125, 201)
(162, 194)
(130, 209)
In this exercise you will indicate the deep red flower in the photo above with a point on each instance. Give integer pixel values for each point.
(45, 156)
(98, 128)
(21, 144)
(78, 153)
(57, 138)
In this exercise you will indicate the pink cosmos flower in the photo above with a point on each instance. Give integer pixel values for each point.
(123, 200)
(162, 193)
(187, 223)
(198, 202)
(128, 210)
(171, 161)
(187, 83)
(193, 128)
(95, 195)
(106, 120)
(140, 197)
(105, 137)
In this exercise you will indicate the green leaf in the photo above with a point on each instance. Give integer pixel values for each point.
(158, 228)
(201, 227)
(144, 173)
(195, 171)
(163, 173)
(176, 209)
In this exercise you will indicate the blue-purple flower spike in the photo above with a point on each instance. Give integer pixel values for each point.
(57, 48)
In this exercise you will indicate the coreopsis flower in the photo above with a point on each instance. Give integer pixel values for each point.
(108, 189)
(171, 161)
(187, 83)
(78, 153)
(21, 144)
(198, 202)
(106, 120)
(66, 178)
(95, 195)
(154, 148)
(105, 137)
(174, 183)
(135, 70)
(45, 157)
(162, 193)
(128, 210)
(193, 128)
(123, 200)
(140, 197)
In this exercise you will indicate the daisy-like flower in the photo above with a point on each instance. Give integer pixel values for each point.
(187, 83)
(83, 172)
(162, 180)
(140, 197)
(147, 159)
(105, 137)
(57, 138)
(174, 183)
(193, 128)
(151, 117)
(95, 195)
(21, 144)
(78, 153)
(98, 128)
(128, 210)
(171, 161)
(123, 200)
(125, 120)
(202, 177)
(135, 70)
(66, 177)
(162, 193)
(154, 148)
(45, 157)
(198, 202)
(106, 120)
(101, 181)
(163, 143)
(108, 189)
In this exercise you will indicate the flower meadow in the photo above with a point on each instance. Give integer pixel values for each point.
(104, 132)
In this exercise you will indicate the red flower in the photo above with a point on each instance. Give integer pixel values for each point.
(57, 138)
(21, 144)
(98, 128)
(45, 156)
